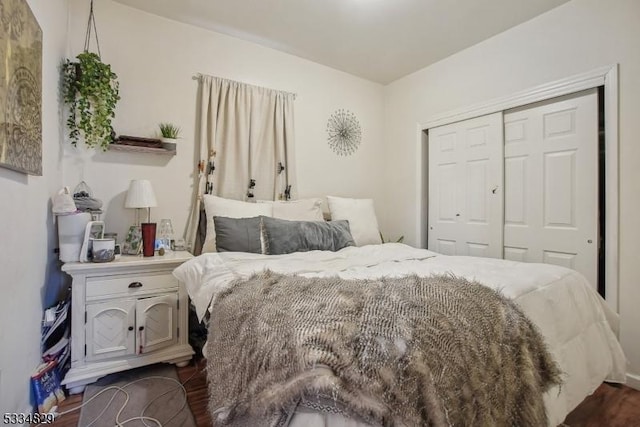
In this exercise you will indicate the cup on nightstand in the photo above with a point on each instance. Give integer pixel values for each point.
(148, 238)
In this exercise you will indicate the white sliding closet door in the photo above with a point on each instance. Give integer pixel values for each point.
(551, 183)
(465, 187)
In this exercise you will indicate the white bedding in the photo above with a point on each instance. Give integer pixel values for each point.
(578, 326)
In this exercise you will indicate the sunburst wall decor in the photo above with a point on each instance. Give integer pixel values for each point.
(344, 132)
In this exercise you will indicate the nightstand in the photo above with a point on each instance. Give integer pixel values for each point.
(126, 313)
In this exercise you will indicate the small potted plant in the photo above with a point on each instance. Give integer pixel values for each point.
(169, 133)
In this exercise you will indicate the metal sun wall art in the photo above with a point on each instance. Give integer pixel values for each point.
(344, 132)
(20, 88)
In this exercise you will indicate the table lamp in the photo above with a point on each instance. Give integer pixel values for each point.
(141, 196)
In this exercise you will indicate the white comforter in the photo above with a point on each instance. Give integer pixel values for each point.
(579, 328)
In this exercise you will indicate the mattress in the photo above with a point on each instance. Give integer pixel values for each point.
(578, 326)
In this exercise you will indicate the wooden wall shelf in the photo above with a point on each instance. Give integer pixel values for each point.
(136, 149)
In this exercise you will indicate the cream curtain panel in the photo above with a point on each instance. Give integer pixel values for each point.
(244, 144)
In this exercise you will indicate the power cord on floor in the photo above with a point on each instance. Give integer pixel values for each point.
(142, 417)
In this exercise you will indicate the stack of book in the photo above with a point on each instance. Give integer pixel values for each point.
(56, 352)
(55, 336)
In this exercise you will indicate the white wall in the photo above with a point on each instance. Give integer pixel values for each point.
(155, 59)
(579, 36)
(27, 233)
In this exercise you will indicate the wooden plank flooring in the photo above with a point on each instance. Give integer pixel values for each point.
(197, 397)
(610, 406)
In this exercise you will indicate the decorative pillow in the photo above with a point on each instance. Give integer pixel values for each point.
(238, 234)
(361, 216)
(284, 237)
(218, 206)
(297, 210)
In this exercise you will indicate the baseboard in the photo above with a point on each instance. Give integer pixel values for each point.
(633, 381)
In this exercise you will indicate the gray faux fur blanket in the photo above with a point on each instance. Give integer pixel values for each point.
(412, 351)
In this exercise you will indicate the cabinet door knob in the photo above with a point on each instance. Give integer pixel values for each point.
(135, 285)
(141, 328)
(131, 328)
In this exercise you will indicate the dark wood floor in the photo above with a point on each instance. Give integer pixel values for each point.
(610, 406)
(196, 387)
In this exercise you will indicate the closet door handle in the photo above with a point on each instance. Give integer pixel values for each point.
(135, 285)
(131, 328)
(494, 189)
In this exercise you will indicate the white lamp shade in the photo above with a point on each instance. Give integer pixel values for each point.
(140, 195)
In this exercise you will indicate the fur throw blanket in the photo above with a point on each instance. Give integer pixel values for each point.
(411, 351)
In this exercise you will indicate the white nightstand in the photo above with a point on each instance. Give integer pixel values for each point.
(126, 313)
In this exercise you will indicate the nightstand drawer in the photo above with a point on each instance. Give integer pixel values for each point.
(129, 284)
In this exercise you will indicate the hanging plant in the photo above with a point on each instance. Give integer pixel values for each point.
(90, 88)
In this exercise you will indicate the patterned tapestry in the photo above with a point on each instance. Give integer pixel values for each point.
(20, 88)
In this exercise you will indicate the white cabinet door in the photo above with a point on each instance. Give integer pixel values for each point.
(156, 322)
(110, 329)
(551, 179)
(466, 202)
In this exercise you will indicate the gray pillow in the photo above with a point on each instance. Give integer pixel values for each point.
(238, 234)
(284, 237)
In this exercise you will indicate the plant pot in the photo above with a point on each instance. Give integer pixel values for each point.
(169, 144)
(78, 74)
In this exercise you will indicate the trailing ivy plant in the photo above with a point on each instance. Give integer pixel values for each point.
(90, 88)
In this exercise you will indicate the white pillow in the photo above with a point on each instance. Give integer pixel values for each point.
(218, 206)
(297, 210)
(361, 216)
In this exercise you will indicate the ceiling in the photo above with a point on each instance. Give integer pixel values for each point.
(380, 40)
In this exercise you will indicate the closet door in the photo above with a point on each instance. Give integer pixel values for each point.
(465, 187)
(551, 183)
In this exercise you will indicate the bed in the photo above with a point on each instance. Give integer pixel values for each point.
(578, 327)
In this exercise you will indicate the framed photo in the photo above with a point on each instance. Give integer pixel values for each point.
(93, 230)
(133, 241)
(20, 88)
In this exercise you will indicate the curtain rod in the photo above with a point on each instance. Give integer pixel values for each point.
(200, 75)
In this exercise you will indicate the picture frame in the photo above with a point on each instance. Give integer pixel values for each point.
(20, 89)
(133, 241)
(93, 230)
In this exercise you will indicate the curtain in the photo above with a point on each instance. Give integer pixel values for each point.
(244, 144)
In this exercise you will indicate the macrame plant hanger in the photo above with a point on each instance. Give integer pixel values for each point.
(91, 24)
